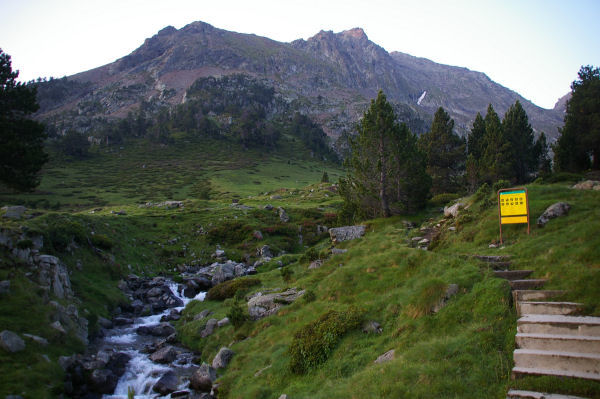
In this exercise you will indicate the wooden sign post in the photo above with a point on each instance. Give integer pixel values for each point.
(513, 207)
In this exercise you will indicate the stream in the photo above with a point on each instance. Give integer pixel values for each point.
(141, 373)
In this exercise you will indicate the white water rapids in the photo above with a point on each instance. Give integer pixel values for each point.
(141, 373)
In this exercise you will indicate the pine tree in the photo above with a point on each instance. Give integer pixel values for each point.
(580, 136)
(21, 138)
(518, 131)
(541, 150)
(386, 172)
(445, 154)
(495, 163)
(475, 139)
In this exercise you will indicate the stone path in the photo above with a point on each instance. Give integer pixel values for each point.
(551, 339)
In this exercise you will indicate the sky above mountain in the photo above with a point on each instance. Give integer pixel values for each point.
(534, 47)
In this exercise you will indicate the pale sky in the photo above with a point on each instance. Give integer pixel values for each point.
(533, 47)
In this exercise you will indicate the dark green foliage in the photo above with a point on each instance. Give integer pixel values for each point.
(101, 241)
(237, 315)
(325, 177)
(443, 199)
(229, 232)
(312, 136)
(496, 162)
(228, 289)
(541, 149)
(500, 184)
(386, 171)
(309, 296)
(445, 154)
(24, 244)
(484, 191)
(475, 138)
(580, 137)
(286, 274)
(60, 231)
(73, 144)
(563, 176)
(313, 344)
(21, 138)
(518, 132)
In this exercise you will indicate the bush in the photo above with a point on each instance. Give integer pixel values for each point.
(563, 176)
(228, 289)
(500, 184)
(483, 192)
(286, 274)
(442, 199)
(310, 255)
(101, 241)
(237, 315)
(314, 342)
(229, 233)
(309, 296)
(24, 244)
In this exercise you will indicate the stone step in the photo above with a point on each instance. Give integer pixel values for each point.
(516, 394)
(524, 371)
(512, 274)
(492, 258)
(559, 325)
(529, 284)
(563, 343)
(535, 295)
(585, 364)
(551, 308)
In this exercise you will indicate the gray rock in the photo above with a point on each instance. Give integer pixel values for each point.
(164, 355)
(283, 216)
(14, 212)
(202, 379)
(386, 357)
(587, 185)
(11, 342)
(52, 273)
(338, 251)
(346, 233)
(283, 396)
(276, 197)
(223, 322)
(450, 292)
(452, 211)
(264, 252)
(103, 381)
(202, 314)
(37, 339)
(372, 327)
(269, 207)
(104, 323)
(553, 211)
(166, 384)
(261, 306)
(209, 328)
(222, 358)
(257, 234)
(4, 287)
(58, 327)
(315, 264)
(157, 330)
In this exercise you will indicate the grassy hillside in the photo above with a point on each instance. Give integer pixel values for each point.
(314, 347)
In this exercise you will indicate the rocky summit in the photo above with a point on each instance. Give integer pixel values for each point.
(330, 77)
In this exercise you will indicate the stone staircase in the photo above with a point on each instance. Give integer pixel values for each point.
(551, 339)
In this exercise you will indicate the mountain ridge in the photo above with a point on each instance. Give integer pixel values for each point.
(330, 77)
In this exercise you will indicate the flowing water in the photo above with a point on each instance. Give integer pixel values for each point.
(141, 373)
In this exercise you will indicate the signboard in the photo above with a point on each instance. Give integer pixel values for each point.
(513, 207)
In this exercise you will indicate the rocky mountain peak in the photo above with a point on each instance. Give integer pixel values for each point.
(355, 33)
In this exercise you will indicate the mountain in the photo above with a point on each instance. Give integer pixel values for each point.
(330, 77)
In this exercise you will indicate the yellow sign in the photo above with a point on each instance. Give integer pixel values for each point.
(513, 206)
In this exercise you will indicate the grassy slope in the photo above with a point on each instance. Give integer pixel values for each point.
(464, 351)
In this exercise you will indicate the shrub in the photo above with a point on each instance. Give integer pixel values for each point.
(309, 296)
(310, 255)
(228, 289)
(231, 232)
(442, 199)
(286, 274)
(562, 176)
(102, 241)
(314, 342)
(500, 184)
(24, 244)
(237, 315)
(483, 192)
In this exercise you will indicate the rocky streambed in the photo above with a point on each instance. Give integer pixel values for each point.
(138, 351)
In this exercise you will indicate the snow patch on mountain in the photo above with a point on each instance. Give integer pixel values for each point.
(421, 98)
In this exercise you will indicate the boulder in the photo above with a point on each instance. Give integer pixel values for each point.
(268, 207)
(37, 339)
(338, 251)
(58, 327)
(264, 252)
(450, 292)
(164, 355)
(452, 211)
(222, 358)
(166, 384)
(14, 212)
(261, 306)
(346, 233)
(117, 363)
(11, 342)
(386, 357)
(202, 314)
(283, 216)
(202, 379)
(315, 264)
(553, 211)
(223, 322)
(209, 328)
(52, 273)
(103, 381)
(587, 185)
(372, 327)
(157, 330)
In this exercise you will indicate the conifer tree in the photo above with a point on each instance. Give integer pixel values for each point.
(386, 172)
(475, 139)
(445, 154)
(518, 131)
(496, 163)
(541, 150)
